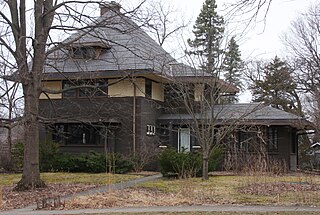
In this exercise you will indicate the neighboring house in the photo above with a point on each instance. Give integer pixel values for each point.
(16, 136)
(129, 107)
(315, 151)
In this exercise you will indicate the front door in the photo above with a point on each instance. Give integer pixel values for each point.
(184, 140)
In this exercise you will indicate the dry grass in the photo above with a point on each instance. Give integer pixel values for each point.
(58, 184)
(295, 189)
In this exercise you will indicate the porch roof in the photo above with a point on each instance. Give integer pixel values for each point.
(244, 114)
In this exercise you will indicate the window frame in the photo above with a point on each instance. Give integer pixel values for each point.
(78, 134)
(148, 88)
(272, 138)
(78, 91)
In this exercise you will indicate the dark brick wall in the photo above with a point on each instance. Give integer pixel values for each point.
(286, 138)
(119, 111)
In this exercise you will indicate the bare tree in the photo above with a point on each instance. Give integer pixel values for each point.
(10, 107)
(163, 21)
(303, 43)
(29, 50)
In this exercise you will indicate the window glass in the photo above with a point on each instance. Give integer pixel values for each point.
(148, 88)
(68, 92)
(102, 88)
(272, 139)
(78, 134)
(92, 87)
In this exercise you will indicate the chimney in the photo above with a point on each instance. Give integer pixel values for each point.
(109, 6)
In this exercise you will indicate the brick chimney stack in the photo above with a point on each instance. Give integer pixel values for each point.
(109, 6)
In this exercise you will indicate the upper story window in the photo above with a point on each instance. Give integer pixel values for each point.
(85, 88)
(148, 88)
(84, 52)
(179, 92)
(91, 50)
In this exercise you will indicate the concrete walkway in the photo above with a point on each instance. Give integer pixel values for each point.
(217, 208)
(106, 188)
(30, 210)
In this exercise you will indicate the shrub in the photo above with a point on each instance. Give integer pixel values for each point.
(187, 164)
(48, 152)
(184, 165)
(92, 162)
(17, 152)
(215, 159)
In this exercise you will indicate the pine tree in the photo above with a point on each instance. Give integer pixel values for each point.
(233, 66)
(208, 31)
(278, 88)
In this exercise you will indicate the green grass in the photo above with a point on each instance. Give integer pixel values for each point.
(60, 177)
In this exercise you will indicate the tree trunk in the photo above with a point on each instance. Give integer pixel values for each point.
(31, 171)
(205, 167)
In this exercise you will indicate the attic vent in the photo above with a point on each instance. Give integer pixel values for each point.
(109, 6)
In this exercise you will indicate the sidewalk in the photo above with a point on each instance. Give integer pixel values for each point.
(216, 208)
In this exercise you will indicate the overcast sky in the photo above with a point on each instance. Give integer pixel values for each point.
(261, 40)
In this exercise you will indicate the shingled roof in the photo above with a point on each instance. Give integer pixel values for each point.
(127, 46)
(250, 113)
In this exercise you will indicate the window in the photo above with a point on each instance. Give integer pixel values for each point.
(91, 88)
(184, 140)
(67, 85)
(83, 52)
(78, 134)
(272, 139)
(148, 88)
(151, 130)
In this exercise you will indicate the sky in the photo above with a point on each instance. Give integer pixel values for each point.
(262, 40)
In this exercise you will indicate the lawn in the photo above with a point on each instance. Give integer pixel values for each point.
(58, 185)
(295, 189)
(63, 177)
(291, 189)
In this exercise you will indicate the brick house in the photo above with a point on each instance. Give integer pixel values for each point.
(106, 89)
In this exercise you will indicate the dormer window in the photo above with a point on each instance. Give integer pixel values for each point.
(84, 52)
(87, 50)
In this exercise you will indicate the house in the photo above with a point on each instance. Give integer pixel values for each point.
(8, 138)
(111, 88)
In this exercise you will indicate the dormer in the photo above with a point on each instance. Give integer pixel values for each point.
(88, 50)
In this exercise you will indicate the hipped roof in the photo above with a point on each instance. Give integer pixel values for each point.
(248, 114)
(129, 50)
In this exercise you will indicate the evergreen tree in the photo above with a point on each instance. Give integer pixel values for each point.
(278, 88)
(233, 66)
(208, 31)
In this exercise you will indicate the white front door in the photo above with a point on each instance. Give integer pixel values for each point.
(184, 140)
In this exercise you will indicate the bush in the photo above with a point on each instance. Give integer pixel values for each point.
(48, 152)
(215, 159)
(51, 160)
(188, 164)
(17, 153)
(92, 163)
(184, 165)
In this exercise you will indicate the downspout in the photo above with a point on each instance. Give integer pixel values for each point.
(134, 120)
